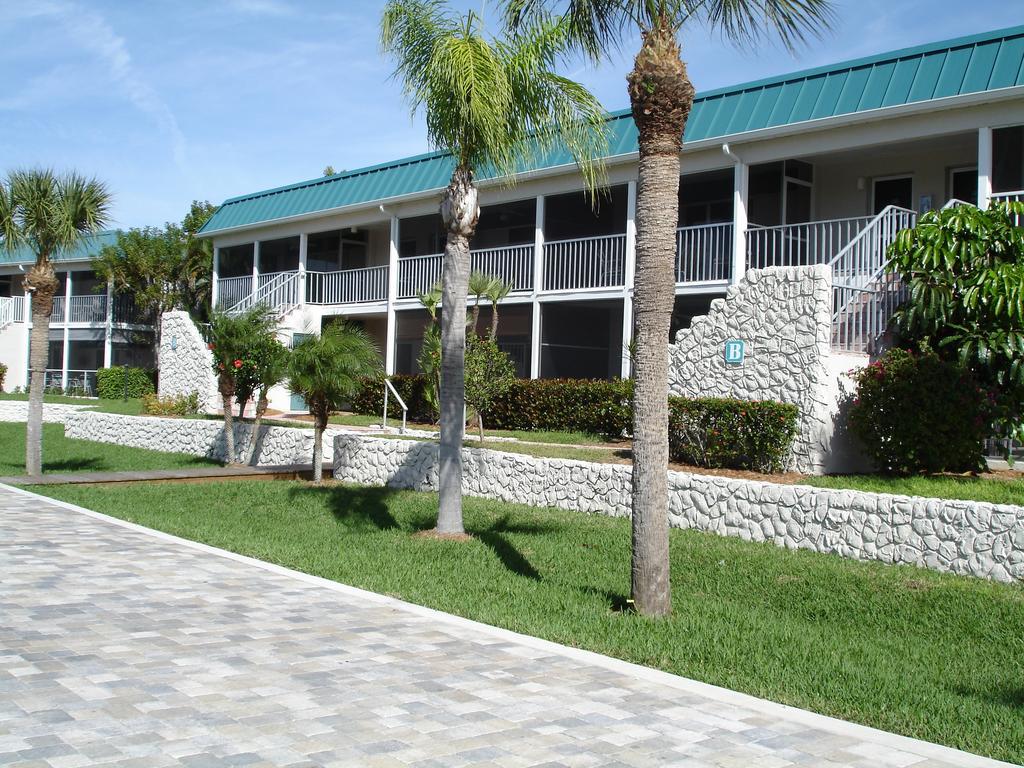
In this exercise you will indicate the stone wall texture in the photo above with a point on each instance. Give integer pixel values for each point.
(53, 413)
(275, 446)
(186, 365)
(963, 537)
(784, 316)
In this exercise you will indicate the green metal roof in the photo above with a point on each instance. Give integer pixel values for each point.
(90, 246)
(984, 62)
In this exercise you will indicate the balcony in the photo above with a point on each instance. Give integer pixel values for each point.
(704, 253)
(585, 263)
(347, 286)
(511, 263)
(79, 309)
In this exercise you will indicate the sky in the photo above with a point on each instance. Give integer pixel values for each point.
(173, 100)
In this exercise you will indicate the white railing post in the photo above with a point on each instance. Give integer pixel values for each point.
(67, 335)
(629, 272)
(255, 268)
(303, 255)
(108, 331)
(741, 192)
(984, 166)
(538, 284)
(392, 293)
(215, 279)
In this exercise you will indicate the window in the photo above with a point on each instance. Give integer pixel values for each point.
(1008, 159)
(893, 190)
(963, 185)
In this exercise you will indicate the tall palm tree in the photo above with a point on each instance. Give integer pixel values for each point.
(48, 213)
(488, 103)
(660, 95)
(327, 370)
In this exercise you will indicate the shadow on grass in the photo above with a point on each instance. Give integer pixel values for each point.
(355, 507)
(1011, 697)
(73, 465)
(617, 602)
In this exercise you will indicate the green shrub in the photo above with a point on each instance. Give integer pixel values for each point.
(172, 405)
(3, 375)
(111, 382)
(734, 434)
(572, 405)
(919, 413)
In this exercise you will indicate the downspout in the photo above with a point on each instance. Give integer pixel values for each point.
(741, 185)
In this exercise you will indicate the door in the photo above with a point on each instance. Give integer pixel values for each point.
(963, 185)
(893, 190)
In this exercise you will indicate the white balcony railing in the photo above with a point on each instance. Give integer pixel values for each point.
(87, 309)
(231, 290)
(589, 262)
(512, 263)
(704, 253)
(1011, 197)
(347, 286)
(795, 245)
(12, 310)
(417, 274)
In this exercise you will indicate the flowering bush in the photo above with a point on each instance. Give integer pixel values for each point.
(919, 413)
(172, 405)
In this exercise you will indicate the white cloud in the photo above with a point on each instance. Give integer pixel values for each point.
(91, 33)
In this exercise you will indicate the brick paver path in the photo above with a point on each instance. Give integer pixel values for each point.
(124, 647)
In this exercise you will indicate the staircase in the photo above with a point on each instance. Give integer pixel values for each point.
(278, 291)
(11, 310)
(865, 294)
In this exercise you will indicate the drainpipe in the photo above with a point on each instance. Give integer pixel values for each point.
(741, 190)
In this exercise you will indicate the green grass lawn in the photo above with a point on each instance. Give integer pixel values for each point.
(130, 407)
(997, 491)
(62, 454)
(929, 655)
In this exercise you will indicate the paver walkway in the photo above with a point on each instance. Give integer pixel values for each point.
(124, 647)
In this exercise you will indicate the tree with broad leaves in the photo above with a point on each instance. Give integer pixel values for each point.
(49, 213)
(660, 95)
(489, 102)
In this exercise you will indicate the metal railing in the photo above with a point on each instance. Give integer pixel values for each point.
(704, 253)
(865, 294)
(388, 386)
(347, 286)
(78, 382)
(512, 263)
(1016, 196)
(126, 311)
(87, 309)
(797, 245)
(588, 262)
(231, 290)
(418, 274)
(12, 310)
(277, 290)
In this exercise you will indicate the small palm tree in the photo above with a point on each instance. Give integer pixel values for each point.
(661, 95)
(479, 285)
(48, 213)
(232, 339)
(488, 102)
(269, 368)
(497, 290)
(327, 371)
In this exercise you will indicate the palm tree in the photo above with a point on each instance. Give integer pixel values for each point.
(497, 290)
(661, 95)
(270, 368)
(488, 103)
(48, 213)
(327, 370)
(232, 340)
(479, 285)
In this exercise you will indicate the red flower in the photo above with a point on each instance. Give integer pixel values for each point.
(210, 345)
(238, 363)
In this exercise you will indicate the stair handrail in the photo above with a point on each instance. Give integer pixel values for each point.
(879, 217)
(256, 297)
(405, 410)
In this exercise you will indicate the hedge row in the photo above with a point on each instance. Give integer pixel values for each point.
(708, 432)
(120, 381)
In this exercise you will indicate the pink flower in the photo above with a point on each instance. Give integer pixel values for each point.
(238, 363)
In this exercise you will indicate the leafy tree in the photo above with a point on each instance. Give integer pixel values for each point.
(329, 171)
(488, 102)
(264, 366)
(163, 269)
(47, 213)
(231, 340)
(489, 375)
(964, 270)
(327, 371)
(661, 95)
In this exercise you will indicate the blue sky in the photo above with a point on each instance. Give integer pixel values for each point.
(171, 100)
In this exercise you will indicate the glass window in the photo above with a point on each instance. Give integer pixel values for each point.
(705, 198)
(573, 215)
(506, 224)
(279, 255)
(1008, 159)
(898, 192)
(235, 261)
(963, 185)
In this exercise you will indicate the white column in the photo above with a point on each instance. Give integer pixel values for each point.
(255, 267)
(67, 315)
(28, 339)
(630, 277)
(538, 284)
(214, 285)
(303, 256)
(741, 190)
(108, 331)
(984, 166)
(392, 320)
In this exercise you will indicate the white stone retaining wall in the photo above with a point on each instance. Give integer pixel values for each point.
(784, 316)
(276, 446)
(186, 364)
(962, 537)
(53, 413)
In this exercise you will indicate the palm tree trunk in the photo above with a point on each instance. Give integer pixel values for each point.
(261, 408)
(661, 95)
(318, 449)
(42, 281)
(460, 210)
(494, 320)
(226, 393)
